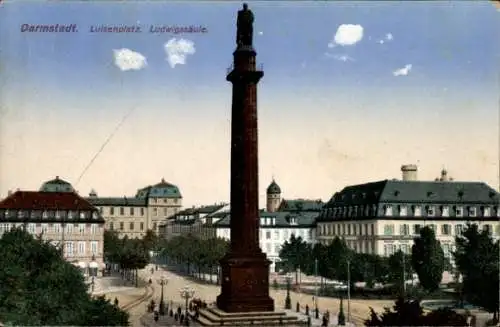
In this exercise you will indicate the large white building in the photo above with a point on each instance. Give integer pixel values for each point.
(385, 216)
(58, 214)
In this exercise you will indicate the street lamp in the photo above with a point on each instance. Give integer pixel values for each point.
(288, 301)
(316, 298)
(93, 271)
(162, 281)
(186, 294)
(349, 290)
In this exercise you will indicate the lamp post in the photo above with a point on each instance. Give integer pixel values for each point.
(404, 274)
(93, 272)
(316, 298)
(288, 301)
(349, 290)
(162, 281)
(186, 294)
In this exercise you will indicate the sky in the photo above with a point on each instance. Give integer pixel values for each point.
(351, 91)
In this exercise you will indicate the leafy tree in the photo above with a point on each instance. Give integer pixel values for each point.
(428, 259)
(410, 313)
(399, 264)
(39, 287)
(150, 240)
(295, 253)
(477, 259)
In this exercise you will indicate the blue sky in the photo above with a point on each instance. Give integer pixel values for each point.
(312, 93)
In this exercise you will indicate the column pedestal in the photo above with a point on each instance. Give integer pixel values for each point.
(245, 283)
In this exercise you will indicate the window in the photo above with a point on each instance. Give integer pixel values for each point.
(404, 229)
(285, 235)
(57, 228)
(277, 248)
(81, 248)
(445, 229)
(69, 228)
(154, 227)
(81, 228)
(405, 248)
(58, 214)
(142, 211)
(487, 212)
(141, 226)
(45, 214)
(112, 211)
(111, 226)
(497, 230)
(83, 215)
(276, 235)
(164, 200)
(45, 228)
(416, 229)
(472, 211)
(388, 210)
(122, 211)
(93, 228)
(121, 225)
(32, 228)
(155, 212)
(69, 249)
(403, 211)
(459, 229)
(132, 211)
(388, 229)
(131, 226)
(268, 235)
(372, 229)
(430, 211)
(417, 211)
(93, 247)
(445, 211)
(165, 211)
(459, 211)
(101, 210)
(348, 229)
(389, 249)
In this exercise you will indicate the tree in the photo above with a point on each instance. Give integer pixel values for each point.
(410, 313)
(399, 265)
(477, 259)
(295, 253)
(41, 288)
(150, 240)
(428, 259)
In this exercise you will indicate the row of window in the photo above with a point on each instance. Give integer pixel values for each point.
(413, 210)
(347, 229)
(444, 229)
(79, 248)
(390, 249)
(53, 228)
(165, 200)
(131, 226)
(272, 221)
(48, 214)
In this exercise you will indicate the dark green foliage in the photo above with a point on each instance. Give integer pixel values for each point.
(40, 288)
(130, 254)
(410, 313)
(399, 268)
(477, 259)
(428, 259)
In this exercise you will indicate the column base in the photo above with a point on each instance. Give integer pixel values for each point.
(245, 283)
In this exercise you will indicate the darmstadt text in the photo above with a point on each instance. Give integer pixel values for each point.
(50, 28)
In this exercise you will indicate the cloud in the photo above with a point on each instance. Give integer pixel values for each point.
(126, 59)
(344, 58)
(177, 50)
(403, 71)
(347, 34)
(261, 33)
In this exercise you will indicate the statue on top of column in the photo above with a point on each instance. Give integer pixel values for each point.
(244, 24)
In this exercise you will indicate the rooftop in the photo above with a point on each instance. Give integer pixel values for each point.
(33, 200)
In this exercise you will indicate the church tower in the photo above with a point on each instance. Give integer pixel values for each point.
(273, 197)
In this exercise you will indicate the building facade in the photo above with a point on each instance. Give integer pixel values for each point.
(133, 216)
(58, 214)
(385, 216)
(275, 229)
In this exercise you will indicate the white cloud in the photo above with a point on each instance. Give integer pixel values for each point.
(261, 33)
(344, 58)
(403, 71)
(389, 37)
(347, 34)
(126, 59)
(177, 50)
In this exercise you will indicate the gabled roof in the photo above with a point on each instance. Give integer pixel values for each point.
(397, 191)
(32, 200)
(301, 205)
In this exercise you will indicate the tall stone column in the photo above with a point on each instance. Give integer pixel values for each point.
(245, 269)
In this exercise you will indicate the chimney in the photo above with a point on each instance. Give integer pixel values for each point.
(409, 172)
